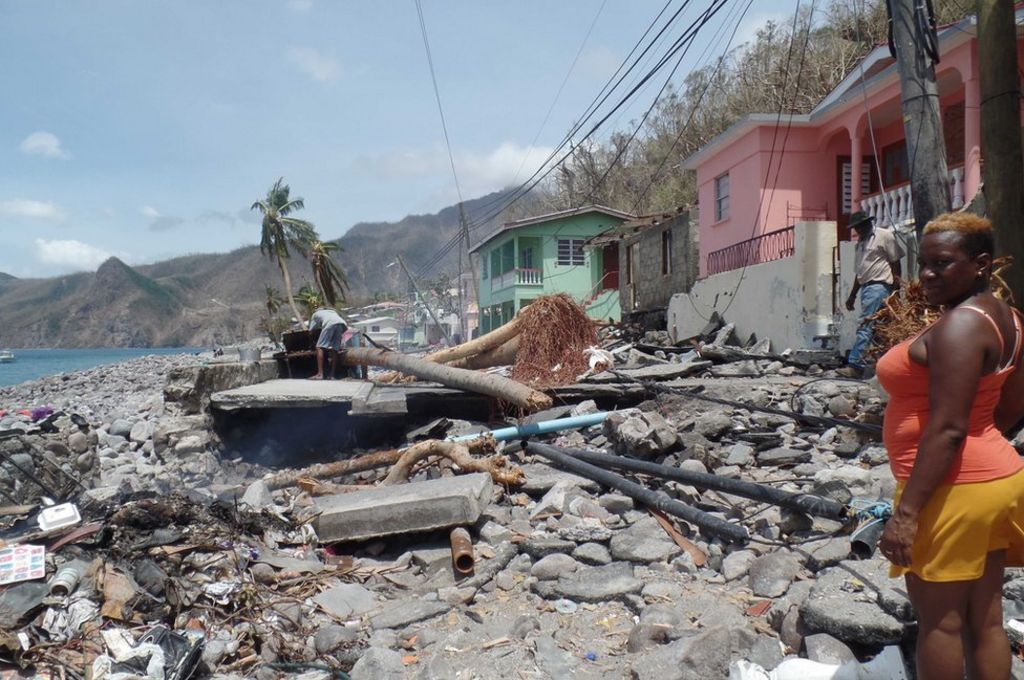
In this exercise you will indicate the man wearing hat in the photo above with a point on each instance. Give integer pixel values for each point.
(877, 275)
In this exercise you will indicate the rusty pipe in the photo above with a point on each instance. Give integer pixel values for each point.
(462, 552)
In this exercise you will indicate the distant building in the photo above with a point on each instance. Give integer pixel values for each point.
(544, 255)
(658, 257)
(383, 330)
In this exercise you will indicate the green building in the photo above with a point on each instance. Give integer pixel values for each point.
(543, 255)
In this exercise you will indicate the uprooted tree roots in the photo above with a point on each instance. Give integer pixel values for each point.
(459, 453)
(906, 313)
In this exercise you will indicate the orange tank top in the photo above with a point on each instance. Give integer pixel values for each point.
(985, 455)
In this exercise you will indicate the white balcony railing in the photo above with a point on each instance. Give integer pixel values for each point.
(517, 277)
(896, 207)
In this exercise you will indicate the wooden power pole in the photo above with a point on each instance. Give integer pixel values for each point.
(1003, 168)
(922, 120)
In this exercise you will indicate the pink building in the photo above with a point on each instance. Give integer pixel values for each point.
(766, 172)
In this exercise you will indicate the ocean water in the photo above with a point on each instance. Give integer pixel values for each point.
(30, 364)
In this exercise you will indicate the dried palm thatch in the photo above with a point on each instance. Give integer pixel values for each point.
(906, 313)
(555, 331)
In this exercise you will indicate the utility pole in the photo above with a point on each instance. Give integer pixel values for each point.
(426, 303)
(1003, 168)
(475, 295)
(916, 52)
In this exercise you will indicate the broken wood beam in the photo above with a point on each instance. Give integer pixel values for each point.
(492, 385)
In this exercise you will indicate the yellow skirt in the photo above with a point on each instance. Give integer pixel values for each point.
(961, 524)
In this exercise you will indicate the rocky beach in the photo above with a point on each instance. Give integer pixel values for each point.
(571, 578)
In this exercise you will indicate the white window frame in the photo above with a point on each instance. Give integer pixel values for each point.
(576, 256)
(722, 198)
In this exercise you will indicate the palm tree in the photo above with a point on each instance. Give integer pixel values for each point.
(310, 299)
(281, 232)
(273, 300)
(329, 277)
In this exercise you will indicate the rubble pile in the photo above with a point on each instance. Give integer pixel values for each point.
(182, 563)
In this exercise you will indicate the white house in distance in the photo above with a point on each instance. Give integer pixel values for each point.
(383, 330)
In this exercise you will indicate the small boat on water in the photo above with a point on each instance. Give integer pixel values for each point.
(6, 356)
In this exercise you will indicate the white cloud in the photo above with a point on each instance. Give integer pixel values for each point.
(150, 212)
(479, 172)
(37, 210)
(300, 5)
(69, 254)
(43, 143)
(313, 63)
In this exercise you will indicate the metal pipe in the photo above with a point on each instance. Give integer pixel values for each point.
(521, 431)
(728, 531)
(462, 551)
(811, 504)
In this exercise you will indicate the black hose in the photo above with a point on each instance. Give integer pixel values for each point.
(811, 504)
(708, 523)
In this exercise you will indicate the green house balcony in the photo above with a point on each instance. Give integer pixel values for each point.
(517, 277)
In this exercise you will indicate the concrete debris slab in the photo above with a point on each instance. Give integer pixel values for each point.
(844, 604)
(783, 456)
(645, 541)
(292, 394)
(698, 657)
(770, 575)
(405, 508)
(403, 612)
(598, 584)
(345, 600)
(541, 478)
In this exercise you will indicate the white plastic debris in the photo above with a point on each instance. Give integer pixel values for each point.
(887, 665)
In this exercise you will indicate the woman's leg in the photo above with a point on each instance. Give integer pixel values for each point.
(941, 616)
(989, 650)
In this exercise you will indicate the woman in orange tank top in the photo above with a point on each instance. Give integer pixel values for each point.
(959, 513)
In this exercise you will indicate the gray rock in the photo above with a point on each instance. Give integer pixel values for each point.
(646, 636)
(78, 442)
(592, 553)
(552, 660)
(664, 615)
(258, 496)
(824, 648)
(141, 431)
(587, 530)
(644, 541)
(540, 478)
(740, 454)
(403, 612)
(842, 605)
(120, 428)
(841, 407)
(736, 564)
(539, 547)
(523, 626)
(698, 657)
(825, 552)
(378, 663)
(598, 584)
(644, 434)
(552, 566)
(770, 575)
(713, 425)
(766, 652)
(792, 629)
(874, 455)
(346, 599)
(331, 636)
(553, 502)
(494, 533)
(616, 503)
(783, 456)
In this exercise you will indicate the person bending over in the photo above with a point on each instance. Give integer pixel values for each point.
(334, 328)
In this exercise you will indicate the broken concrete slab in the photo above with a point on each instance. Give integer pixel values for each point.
(403, 612)
(845, 604)
(540, 478)
(292, 394)
(346, 599)
(406, 508)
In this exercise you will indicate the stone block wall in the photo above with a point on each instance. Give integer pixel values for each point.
(653, 290)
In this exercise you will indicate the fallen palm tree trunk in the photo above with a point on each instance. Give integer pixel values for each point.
(460, 454)
(811, 504)
(708, 523)
(504, 355)
(496, 338)
(496, 386)
(340, 468)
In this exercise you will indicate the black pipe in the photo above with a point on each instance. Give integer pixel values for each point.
(812, 505)
(733, 533)
(864, 539)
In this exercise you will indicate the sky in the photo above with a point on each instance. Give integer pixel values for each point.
(145, 130)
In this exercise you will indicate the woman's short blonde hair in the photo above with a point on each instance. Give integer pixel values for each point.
(975, 232)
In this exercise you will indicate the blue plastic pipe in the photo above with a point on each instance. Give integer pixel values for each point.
(507, 433)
